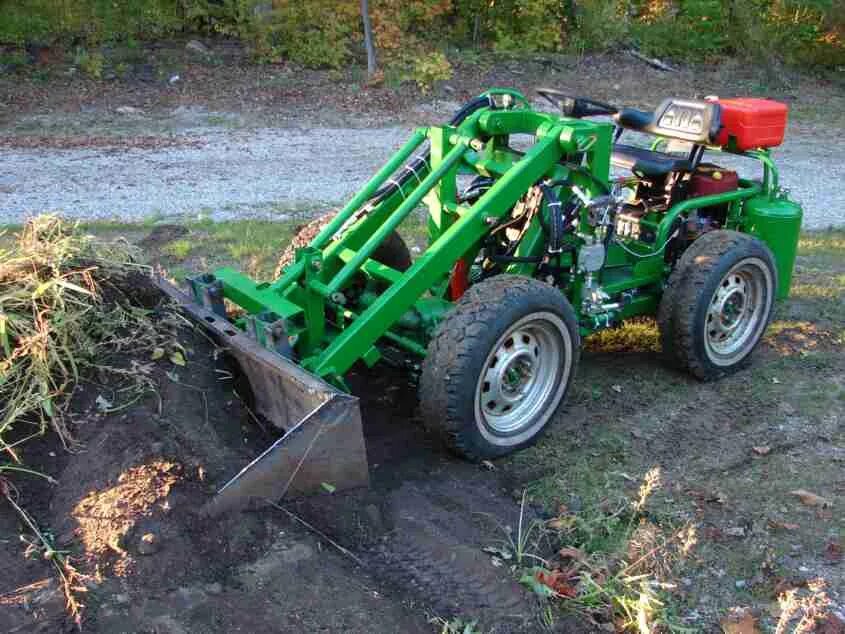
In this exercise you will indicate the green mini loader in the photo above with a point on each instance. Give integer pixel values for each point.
(543, 227)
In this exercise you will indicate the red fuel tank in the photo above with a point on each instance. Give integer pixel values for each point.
(751, 123)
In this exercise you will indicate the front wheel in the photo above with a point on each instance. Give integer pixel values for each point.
(499, 366)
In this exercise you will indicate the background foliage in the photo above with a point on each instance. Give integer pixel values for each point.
(808, 33)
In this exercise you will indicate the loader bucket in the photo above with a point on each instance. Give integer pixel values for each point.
(323, 443)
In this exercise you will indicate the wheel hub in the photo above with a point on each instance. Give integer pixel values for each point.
(519, 375)
(728, 307)
(735, 311)
(510, 373)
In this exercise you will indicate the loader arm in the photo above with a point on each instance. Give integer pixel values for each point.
(297, 336)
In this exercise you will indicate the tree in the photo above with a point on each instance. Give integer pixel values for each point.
(369, 44)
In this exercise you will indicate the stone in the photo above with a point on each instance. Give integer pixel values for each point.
(148, 544)
(198, 48)
(214, 588)
(128, 110)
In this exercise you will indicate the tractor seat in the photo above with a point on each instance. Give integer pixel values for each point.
(634, 119)
(644, 162)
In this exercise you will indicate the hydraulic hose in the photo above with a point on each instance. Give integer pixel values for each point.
(557, 222)
(413, 167)
(476, 188)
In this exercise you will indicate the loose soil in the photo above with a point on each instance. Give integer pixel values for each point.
(126, 505)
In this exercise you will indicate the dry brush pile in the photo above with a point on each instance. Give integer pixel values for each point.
(67, 312)
(64, 311)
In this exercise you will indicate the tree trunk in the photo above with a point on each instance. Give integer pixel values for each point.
(372, 64)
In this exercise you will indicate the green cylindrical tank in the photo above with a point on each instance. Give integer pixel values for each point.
(776, 220)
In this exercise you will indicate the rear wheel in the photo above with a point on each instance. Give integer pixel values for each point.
(718, 303)
(499, 366)
(393, 252)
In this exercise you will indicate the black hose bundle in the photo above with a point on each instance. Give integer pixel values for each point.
(413, 167)
(476, 189)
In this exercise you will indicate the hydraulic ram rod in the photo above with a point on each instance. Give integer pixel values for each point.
(369, 189)
(295, 270)
(394, 220)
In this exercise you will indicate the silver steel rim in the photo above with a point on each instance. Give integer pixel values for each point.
(737, 311)
(524, 375)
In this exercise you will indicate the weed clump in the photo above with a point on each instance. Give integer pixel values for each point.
(62, 311)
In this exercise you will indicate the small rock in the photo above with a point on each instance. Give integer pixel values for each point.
(198, 48)
(449, 89)
(734, 531)
(740, 583)
(174, 79)
(262, 10)
(121, 598)
(374, 516)
(148, 544)
(128, 110)
(214, 588)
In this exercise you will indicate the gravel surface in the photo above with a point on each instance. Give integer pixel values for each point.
(273, 172)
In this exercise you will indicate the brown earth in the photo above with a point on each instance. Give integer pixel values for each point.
(229, 82)
(125, 506)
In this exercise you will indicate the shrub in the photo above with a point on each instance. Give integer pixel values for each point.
(431, 68)
(90, 63)
(328, 33)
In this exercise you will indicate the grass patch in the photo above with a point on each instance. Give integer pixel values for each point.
(179, 249)
(635, 335)
(827, 242)
(610, 561)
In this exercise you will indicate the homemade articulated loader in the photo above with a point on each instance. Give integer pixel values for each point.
(533, 244)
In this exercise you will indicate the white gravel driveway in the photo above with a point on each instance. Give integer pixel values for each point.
(268, 172)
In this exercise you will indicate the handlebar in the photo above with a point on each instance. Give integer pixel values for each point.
(576, 107)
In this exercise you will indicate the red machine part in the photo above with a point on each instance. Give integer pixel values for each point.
(712, 179)
(459, 280)
(751, 123)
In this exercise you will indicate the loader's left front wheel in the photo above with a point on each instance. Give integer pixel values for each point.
(499, 366)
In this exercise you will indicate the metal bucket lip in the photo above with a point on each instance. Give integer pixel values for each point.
(323, 440)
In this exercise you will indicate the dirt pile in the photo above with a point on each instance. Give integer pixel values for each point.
(125, 507)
